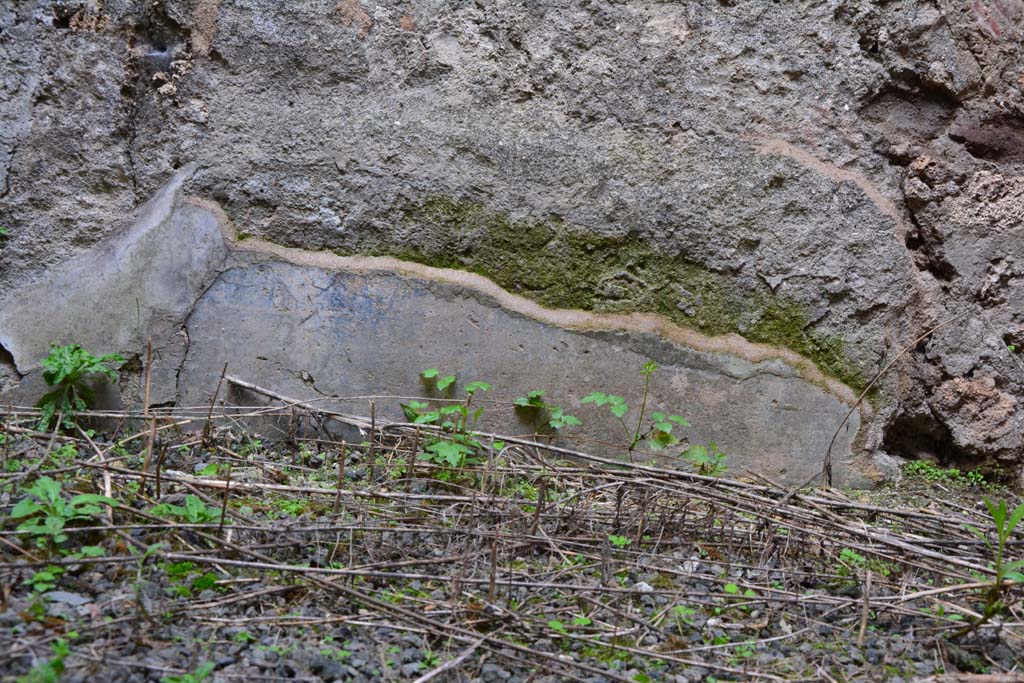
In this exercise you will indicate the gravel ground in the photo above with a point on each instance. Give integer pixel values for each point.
(528, 569)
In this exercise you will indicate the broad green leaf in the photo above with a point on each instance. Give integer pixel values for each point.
(25, 507)
(1015, 518)
(168, 510)
(430, 374)
(445, 382)
(196, 511)
(560, 419)
(661, 440)
(33, 526)
(411, 409)
(54, 526)
(448, 452)
(86, 498)
(84, 511)
(998, 512)
(46, 489)
(696, 452)
(207, 580)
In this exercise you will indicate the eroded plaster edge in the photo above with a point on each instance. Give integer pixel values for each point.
(885, 205)
(571, 319)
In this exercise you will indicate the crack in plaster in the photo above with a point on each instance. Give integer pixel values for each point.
(188, 316)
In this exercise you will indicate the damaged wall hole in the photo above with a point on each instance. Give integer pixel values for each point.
(919, 437)
(9, 374)
(929, 258)
(915, 115)
(62, 16)
(998, 139)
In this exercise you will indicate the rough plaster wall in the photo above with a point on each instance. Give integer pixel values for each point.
(861, 159)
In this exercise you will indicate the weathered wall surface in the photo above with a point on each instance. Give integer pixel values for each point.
(828, 178)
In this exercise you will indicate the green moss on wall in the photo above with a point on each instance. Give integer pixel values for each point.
(561, 266)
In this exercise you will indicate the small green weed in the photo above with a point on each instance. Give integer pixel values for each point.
(51, 670)
(201, 673)
(708, 460)
(293, 508)
(454, 454)
(338, 654)
(574, 560)
(250, 447)
(612, 657)
(1004, 523)
(279, 650)
(733, 590)
(619, 541)
(743, 651)
(850, 562)
(545, 414)
(458, 447)
(46, 513)
(64, 456)
(683, 616)
(195, 511)
(430, 660)
(210, 470)
(187, 580)
(659, 432)
(69, 369)
(940, 613)
(929, 471)
(556, 625)
(433, 378)
(45, 579)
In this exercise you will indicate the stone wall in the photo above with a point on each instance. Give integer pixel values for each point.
(828, 180)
